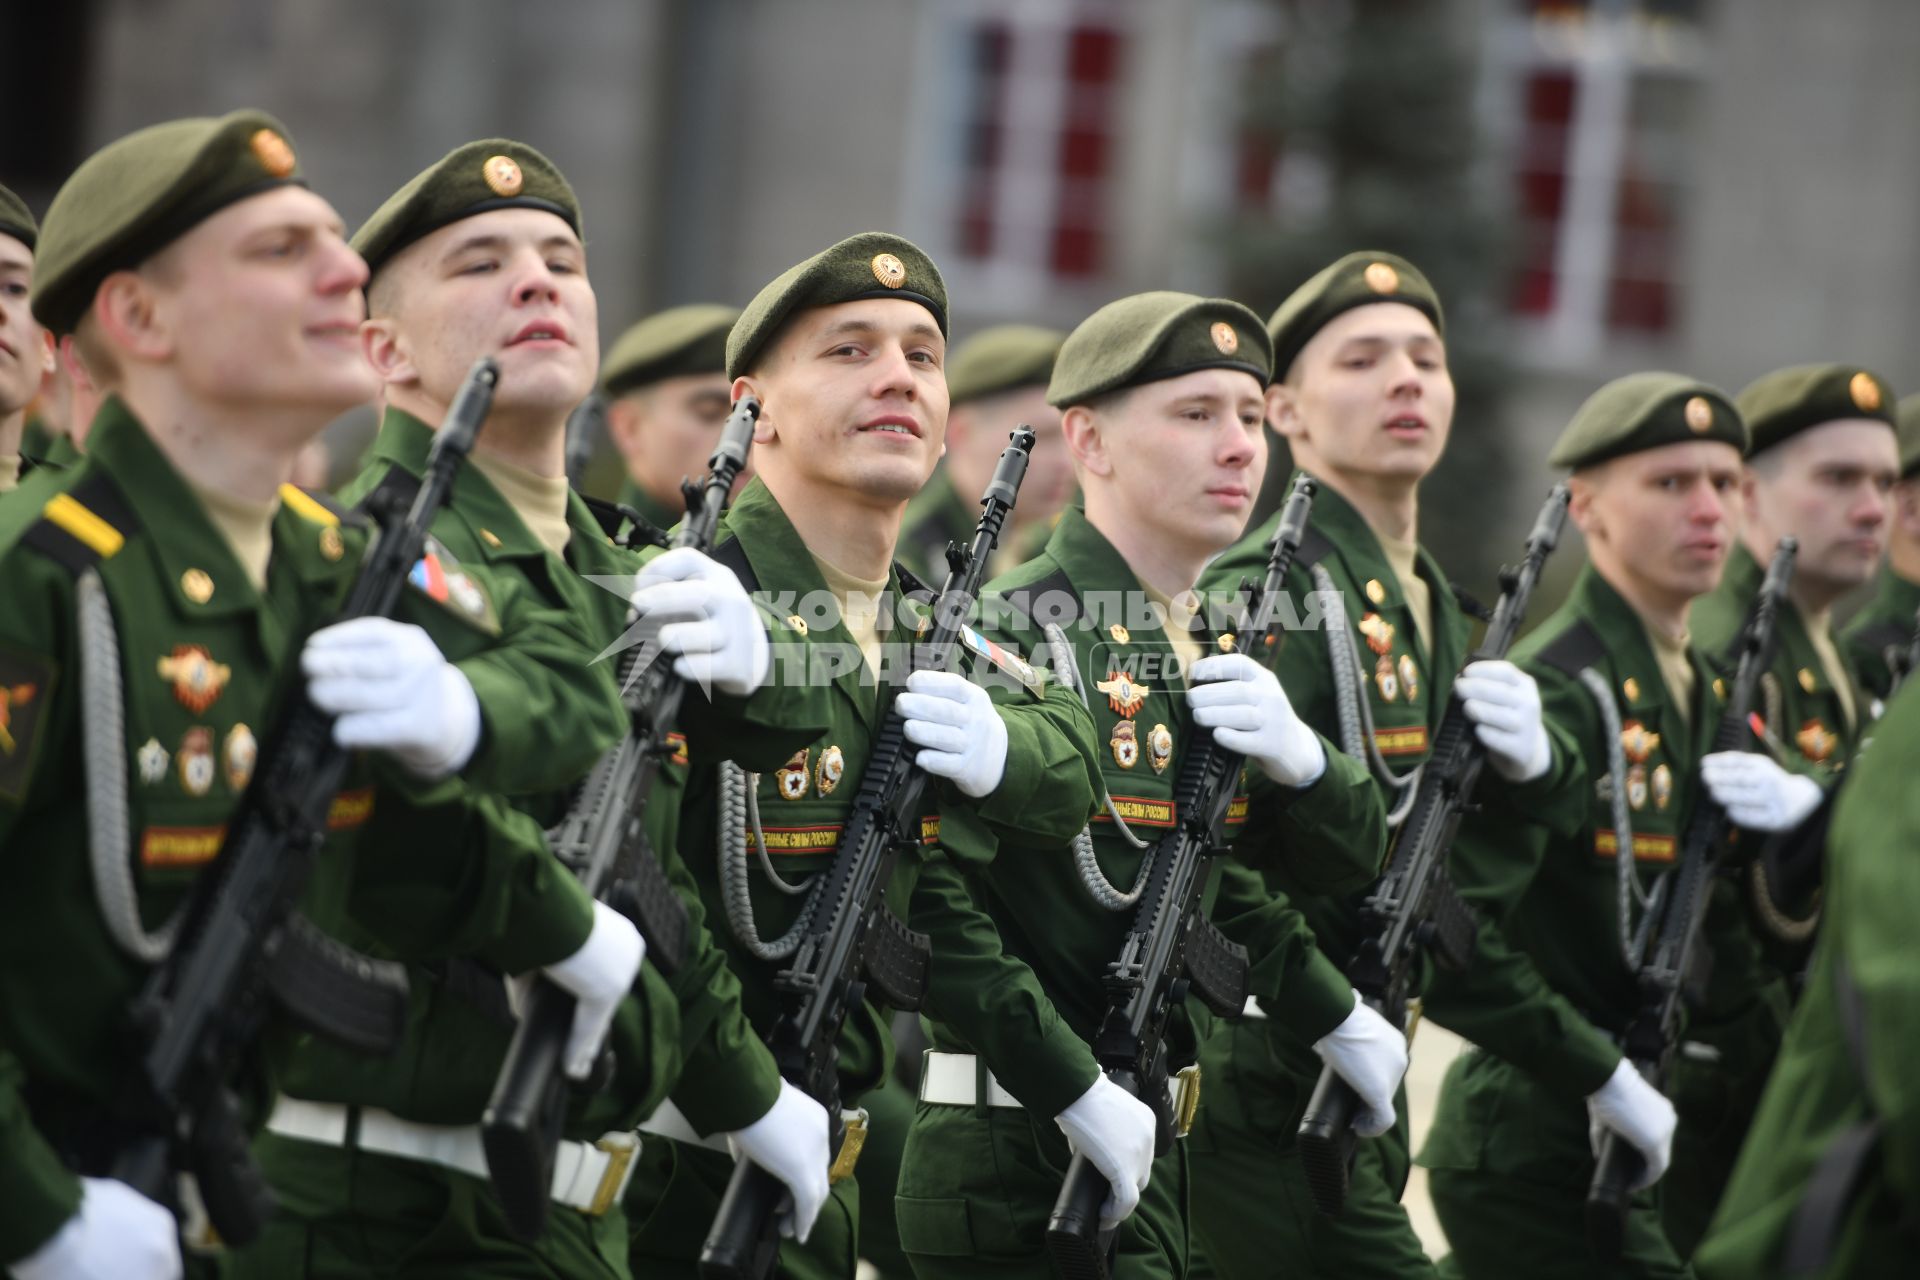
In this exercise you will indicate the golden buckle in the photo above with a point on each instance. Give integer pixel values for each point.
(850, 1146)
(1186, 1099)
(620, 1148)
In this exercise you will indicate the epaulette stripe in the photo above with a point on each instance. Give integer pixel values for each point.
(65, 511)
(1576, 649)
(306, 505)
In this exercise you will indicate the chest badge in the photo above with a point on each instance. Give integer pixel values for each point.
(197, 679)
(1662, 787)
(1378, 632)
(1123, 695)
(1119, 633)
(152, 760)
(1816, 741)
(1637, 742)
(1807, 682)
(826, 776)
(1637, 786)
(195, 761)
(792, 776)
(1160, 748)
(1125, 744)
(237, 756)
(10, 697)
(1386, 680)
(1409, 677)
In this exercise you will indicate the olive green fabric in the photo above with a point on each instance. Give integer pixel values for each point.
(889, 1117)
(1820, 1089)
(651, 509)
(493, 173)
(133, 197)
(939, 515)
(1646, 411)
(1516, 1226)
(1357, 280)
(1152, 336)
(1882, 632)
(672, 344)
(16, 219)
(873, 264)
(1788, 401)
(1004, 358)
(671, 1201)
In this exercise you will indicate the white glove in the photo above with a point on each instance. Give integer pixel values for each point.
(1504, 704)
(791, 1142)
(118, 1234)
(1248, 711)
(1371, 1056)
(1639, 1113)
(708, 623)
(1757, 793)
(1114, 1130)
(393, 691)
(958, 727)
(598, 976)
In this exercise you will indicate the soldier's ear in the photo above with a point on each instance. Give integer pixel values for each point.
(388, 352)
(624, 416)
(1283, 410)
(765, 430)
(1581, 488)
(1086, 441)
(127, 311)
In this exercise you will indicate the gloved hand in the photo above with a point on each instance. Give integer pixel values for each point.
(1757, 793)
(598, 976)
(708, 622)
(118, 1234)
(791, 1142)
(1248, 711)
(393, 691)
(1639, 1113)
(961, 733)
(1371, 1056)
(1504, 704)
(1113, 1130)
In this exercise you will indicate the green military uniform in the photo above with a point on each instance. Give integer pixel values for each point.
(1844, 1078)
(1549, 986)
(1880, 636)
(673, 344)
(1818, 714)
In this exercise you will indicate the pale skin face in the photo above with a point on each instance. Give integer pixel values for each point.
(1660, 523)
(1830, 486)
(666, 432)
(977, 433)
(21, 345)
(1171, 469)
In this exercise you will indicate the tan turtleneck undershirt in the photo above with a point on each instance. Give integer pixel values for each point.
(1178, 621)
(1404, 559)
(1670, 655)
(540, 501)
(1820, 632)
(859, 601)
(247, 527)
(9, 472)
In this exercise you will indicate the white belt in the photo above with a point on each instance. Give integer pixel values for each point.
(953, 1080)
(668, 1121)
(589, 1177)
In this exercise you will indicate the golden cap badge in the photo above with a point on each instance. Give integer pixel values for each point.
(1225, 338)
(1865, 391)
(889, 270)
(1699, 415)
(196, 585)
(1381, 278)
(503, 176)
(272, 151)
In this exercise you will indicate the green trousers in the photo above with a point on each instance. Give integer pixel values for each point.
(977, 1187)
(1253, 1216)
(352, 1214)
(889, 1116)
(1716, 1101)
(675, 1192)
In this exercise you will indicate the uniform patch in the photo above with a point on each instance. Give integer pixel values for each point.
(196, 678)
(1408, 740)
(827, 774)
(1139, 811)
(1004, 659)
(439, 577)
(1816, 741)
(1125, 744)
(350, 809)
(1123, 695)
(237, 756)
(792, 776)
(180, 846)
(677, 744)
(24, 685)
(1646, 848)
(1160, 748)
(1237, 810)
(193, 760)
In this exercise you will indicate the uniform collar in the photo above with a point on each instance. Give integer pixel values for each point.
(1895, 597)
(1639, 685)
(1355, 542)
(1103, 581)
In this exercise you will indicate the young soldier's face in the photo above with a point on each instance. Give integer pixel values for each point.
(21, 346)
(1368, 395)
(1831, 487)
(854, 397)
(1181, 459)
(509, 283)
(667, 431)
(1663, 519)
(261, 304)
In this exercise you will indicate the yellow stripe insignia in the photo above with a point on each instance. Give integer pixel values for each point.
(305, 506)
(104, 540)
(1646, 848)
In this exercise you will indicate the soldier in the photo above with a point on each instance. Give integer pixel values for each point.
(846, 354)
(1655, 462)
(1880, 637)
(194, 264)
(1366, 406)
(666, 389)
(1162, 396)
(21, 345)
(998, 381)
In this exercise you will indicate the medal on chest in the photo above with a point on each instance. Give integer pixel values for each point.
(1125, 744)
(196, 678)
(1124, 695)
(792, 776)
(1815, 740)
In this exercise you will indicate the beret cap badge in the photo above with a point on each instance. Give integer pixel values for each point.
(272, 151)
(1225, 338)
(1865, 391)
(503, 176)
(1381, 278)
(1699, 414)
(889, 270)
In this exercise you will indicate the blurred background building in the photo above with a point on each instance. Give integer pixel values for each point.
(1595, 185)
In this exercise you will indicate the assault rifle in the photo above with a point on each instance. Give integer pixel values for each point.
(856, 940)
(1171, 947)
(1413, 907)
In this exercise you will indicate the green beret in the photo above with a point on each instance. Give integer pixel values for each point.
(1003, 358)
(493, 173)
(1357, 280)
(872, 264)
(134, 197)
(1152, 336)
(16, 219)
(1909, 414)
(678, 341)
(1788, 401)
(1646, 411)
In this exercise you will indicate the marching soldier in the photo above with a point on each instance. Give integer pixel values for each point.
(1366, 405)
(1880, 637)
(846, 354)
(166, 585)
(998, 381)
(22, 348)
(1162, 396)
(667, 394)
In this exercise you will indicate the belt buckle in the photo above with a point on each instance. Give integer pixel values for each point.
(1186, 1099)
(850, 1145)
(620, 1149)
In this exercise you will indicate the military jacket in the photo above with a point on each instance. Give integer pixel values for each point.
(1027, 994)
(203, 660)
(1883, 630)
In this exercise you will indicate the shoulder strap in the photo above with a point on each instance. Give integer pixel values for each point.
(1470, 604)
(86, 524)
(316, 505)
(734, 556)
(1315, 546)
(1575, 649)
